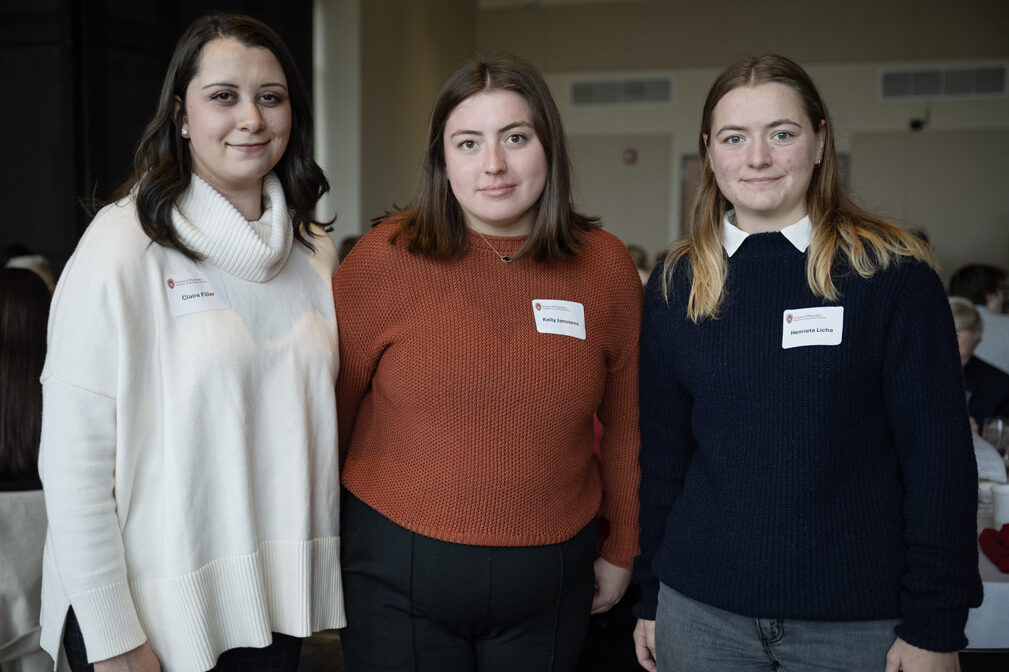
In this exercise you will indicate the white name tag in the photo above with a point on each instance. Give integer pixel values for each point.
(559, 317)
(194, 291)
(812, 326)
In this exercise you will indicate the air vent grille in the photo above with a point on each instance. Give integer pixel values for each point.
(623, 91)
(976, 81)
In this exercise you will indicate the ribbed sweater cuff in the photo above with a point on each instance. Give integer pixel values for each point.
(108, 621)
(940, 631)
(649, 603)
(621, 548)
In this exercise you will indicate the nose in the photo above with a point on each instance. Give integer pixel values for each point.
(251, 119)
(758, 154)
(494, 162)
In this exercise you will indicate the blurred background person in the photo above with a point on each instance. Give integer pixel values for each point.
(189, 428)
(19, 256)
(987, 387)
(24, 309)
(984, 285)
(480, 330)
(640, 257)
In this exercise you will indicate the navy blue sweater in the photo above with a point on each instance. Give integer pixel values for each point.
(820, 483)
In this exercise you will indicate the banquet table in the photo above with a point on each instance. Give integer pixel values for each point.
(988, 625)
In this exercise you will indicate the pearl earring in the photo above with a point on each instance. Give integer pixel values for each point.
(185, 133)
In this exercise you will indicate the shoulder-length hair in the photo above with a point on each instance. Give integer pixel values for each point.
(24, 310)
(432, 223)
(839, 226)
(162, 165)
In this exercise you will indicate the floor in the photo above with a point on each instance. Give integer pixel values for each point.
(322, 653)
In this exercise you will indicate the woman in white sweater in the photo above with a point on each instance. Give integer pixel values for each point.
(189, 431)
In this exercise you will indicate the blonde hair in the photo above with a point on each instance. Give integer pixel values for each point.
(839, 226)
(965, 315)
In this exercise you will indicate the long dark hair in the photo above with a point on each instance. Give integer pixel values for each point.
(24, 310)
(432, 223)
(839, 226)
(162, 166)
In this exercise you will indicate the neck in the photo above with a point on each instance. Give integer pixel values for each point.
(755, 224)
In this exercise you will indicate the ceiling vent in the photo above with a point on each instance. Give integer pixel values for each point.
(622, 91)
(987, 80)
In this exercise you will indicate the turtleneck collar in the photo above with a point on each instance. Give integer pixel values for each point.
(798, 234)
(210, 225)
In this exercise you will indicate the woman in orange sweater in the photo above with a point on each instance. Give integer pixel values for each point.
(480, 329)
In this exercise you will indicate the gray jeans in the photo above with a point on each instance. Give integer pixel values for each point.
(691, 636)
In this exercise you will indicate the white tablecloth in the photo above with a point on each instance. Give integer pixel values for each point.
(988, 625)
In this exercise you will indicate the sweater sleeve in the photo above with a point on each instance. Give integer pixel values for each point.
(667, 442)
(928, 419)
(78, 456)
(619, 414)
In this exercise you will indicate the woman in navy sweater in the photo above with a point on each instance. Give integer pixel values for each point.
(808, 484)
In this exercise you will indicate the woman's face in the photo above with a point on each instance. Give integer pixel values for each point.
(495, 164)
(763, 149)
(237, 116)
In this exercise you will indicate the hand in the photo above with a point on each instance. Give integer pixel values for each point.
(904, 656)
(644, 644)
(611, 584)
(140, 659)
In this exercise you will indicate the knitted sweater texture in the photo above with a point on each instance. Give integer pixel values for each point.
(822, 482)
(460, 421)
(188, 436)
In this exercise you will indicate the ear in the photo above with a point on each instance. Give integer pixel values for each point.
(180, 117)
(704, 136)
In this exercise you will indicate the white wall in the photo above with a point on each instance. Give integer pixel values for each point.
(850, 90)
(337, 110)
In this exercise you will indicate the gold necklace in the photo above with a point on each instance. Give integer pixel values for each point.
(503, 258)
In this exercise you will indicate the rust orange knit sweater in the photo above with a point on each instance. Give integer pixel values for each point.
(459, 421)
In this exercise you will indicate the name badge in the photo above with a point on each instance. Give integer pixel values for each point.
(195, 291)
(554, 316)
(812, 326)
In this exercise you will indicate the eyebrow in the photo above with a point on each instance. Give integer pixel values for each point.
(235, 86)
(503, 129)
(773, 124)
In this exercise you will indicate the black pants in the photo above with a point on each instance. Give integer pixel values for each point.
(283, 655)
(419, 604)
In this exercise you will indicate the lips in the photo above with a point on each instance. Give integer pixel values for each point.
(249, 148)
(758, 181)
(497, 190)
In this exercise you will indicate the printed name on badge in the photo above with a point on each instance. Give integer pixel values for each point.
(812, 326)
(554, 316)
(194, 291)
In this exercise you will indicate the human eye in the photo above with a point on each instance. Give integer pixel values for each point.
(223, 97)
(271, 98)
(732, 139)
(783, 135)
(516, 139)
(466, 144)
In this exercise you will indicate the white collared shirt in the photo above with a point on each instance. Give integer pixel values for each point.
(732, 236)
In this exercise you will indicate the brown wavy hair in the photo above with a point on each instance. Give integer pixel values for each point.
(839, 226)
(24, 311)
(432, 223)
(162, 165)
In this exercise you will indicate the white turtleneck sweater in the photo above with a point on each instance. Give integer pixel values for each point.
(189, 436)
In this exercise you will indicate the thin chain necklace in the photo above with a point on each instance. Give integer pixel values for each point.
(505, 259)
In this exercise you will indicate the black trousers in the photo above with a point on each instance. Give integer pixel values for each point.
(283, 655)
(419, 604)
